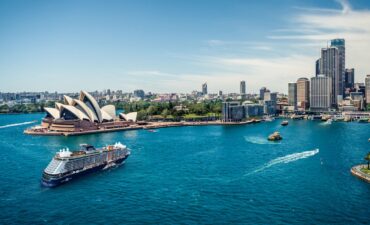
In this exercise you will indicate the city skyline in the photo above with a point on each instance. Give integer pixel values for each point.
(131, 45)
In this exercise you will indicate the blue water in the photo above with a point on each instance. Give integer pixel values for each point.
(193, 175)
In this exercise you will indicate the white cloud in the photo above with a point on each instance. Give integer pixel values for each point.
(296, 48)
(317, 26)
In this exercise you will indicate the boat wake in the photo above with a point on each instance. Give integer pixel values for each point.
(17, 124)
(286, 159)
(260, 141)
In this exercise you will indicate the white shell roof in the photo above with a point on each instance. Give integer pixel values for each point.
(86, 109)
(106, 116)
(94, 104)
(129, 116)
(80, 115)
(67, 100)
(53, 112)
(110, 109)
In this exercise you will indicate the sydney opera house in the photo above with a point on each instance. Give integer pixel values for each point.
(82, 115)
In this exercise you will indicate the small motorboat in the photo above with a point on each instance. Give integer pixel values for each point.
(151, 130)
(275, 137)
(328, 121)
(284, 123)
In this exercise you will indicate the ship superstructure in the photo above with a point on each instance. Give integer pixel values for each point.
(67, 165)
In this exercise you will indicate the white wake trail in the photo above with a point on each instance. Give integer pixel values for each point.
(260, 141)
(17, 124)
(286, 159)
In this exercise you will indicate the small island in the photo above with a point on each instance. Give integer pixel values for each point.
(362, 171)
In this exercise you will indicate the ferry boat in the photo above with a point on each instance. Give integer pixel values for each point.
(67, 165)
(275, 137)
(284, 123)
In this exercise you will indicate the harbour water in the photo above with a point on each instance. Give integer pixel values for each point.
(193, 175)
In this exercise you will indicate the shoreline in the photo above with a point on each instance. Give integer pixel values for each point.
(151, 125)
(356, 171)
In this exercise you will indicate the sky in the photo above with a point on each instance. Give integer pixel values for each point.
(168, 46)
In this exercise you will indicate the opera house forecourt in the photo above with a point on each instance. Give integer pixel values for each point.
(82, 116)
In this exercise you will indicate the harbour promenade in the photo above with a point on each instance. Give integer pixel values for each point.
(149, 125)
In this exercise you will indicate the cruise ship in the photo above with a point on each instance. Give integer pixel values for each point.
(67, 165)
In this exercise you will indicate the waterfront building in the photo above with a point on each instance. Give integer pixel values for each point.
(139, 94)
(236, 112)
(253, 110)
(367, 91)
(321, 93)
(330, 67)
(357, 100)
(242, 87)
(303, 93)
(292, 94)
(262, 93)
(204, 89)
(232, 112)
(269, 107)
(349, 78)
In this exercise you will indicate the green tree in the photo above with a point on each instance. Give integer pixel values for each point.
(165, 113)
(367, 158)
(142, 115)
(152, 110)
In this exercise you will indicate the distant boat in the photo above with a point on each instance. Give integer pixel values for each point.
(284, 123)
(153, 131)
(329, 121)
(363, 120)
(268, 118)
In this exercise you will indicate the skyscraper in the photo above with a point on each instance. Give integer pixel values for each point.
(330, 67)
(292, 94)
(204, 89)
(139, 94)
(367, 91)
(303, 93)
(349, 78)
(340, 45)
(320, 93)
(242, 87)
(317, 67)
(262, 92)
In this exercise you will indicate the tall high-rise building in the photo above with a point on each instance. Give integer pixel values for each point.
(262, 92)
(139, 94)
(320, 93)
(330, 67)
(317, 66)
(349, 78)
(303, 93)
(267, 95)
(292, 94)
(340, 44)
(204, 89)
(242, 87)
(367, 91)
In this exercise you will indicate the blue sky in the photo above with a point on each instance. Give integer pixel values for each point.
(174, 46)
